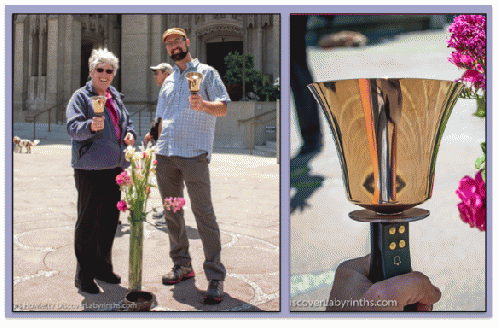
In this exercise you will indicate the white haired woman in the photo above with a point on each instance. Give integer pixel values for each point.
(97, 158)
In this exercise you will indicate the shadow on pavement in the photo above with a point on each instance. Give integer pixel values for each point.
(124, 228)
(303, 182)
(186, 292)
(192, 233)
(109, 300)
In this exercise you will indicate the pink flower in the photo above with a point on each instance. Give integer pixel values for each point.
(123, 179)
(474, 77)
(461, 60)
(122, 206)
(144, 155)
(174, 204)
(472, 208)
(154, 162)
(468, 34)
(468, 38)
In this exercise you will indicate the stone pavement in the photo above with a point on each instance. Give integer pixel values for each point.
(442, 246)
(245, 192)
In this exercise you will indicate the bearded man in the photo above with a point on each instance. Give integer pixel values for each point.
(185, 145)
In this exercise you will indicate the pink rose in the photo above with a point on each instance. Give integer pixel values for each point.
(472, 208)
(122, 206)
(123, 179)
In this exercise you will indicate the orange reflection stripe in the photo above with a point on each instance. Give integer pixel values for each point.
(365, 96)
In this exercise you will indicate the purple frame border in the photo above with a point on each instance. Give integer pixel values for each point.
(284, 11)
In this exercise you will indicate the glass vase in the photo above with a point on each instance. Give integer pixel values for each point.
(136, 252)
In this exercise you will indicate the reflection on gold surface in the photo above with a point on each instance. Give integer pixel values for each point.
(387, 133)
(194, 79)
(98, 104)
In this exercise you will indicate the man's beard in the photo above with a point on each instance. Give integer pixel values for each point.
(179, 55)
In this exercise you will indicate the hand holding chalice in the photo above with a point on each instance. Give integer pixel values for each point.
(194, 79)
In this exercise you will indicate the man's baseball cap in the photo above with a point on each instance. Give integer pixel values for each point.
(163, 67)
(173, 31)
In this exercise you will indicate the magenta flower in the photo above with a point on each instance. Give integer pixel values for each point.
(123, 179)
(474, 77)
(174, 204)
(155, 162)
(472, 208)
(468, 38)
(461, 60)
(468, 34)
(122, 206)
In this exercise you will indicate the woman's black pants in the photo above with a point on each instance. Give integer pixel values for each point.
(97, 221)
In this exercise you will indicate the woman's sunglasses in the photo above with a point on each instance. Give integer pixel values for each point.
(108, 71)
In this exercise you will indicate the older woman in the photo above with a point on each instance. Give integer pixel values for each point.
(97, 158)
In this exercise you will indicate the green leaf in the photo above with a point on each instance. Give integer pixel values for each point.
(479, 161)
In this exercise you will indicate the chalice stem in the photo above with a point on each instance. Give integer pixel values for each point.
(390, 254)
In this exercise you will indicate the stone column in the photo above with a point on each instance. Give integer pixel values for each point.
(52, 95)
(276, 46)
(68, 68)
(32, 60)
(42, 64)
(157, 54)
(135, 52)
(21, 61)
(258, 45)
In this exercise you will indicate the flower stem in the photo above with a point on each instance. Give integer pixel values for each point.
(135, 257)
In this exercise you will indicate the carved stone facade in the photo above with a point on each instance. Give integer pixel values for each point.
(51, 52)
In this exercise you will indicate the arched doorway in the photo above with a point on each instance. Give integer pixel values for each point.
(216, 42)
(217, 51)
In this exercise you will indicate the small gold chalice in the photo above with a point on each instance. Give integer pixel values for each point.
(194, 79)
(98, 105)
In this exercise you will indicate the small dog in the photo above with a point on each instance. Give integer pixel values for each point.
(23, 143)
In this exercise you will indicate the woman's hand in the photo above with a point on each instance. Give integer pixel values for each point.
(148, 137)
(129, 139)
(97, 123)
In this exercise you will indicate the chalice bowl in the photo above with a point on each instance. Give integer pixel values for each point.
(98, 103)
(194, 79)
(387, 134)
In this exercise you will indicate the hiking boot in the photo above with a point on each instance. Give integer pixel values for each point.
(177, 274)
(214, 294)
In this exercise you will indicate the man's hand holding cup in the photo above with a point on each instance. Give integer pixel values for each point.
(197, 102)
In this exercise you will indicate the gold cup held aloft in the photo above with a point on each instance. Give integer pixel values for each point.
(387, 134)
(194, 79)
(98, 103)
